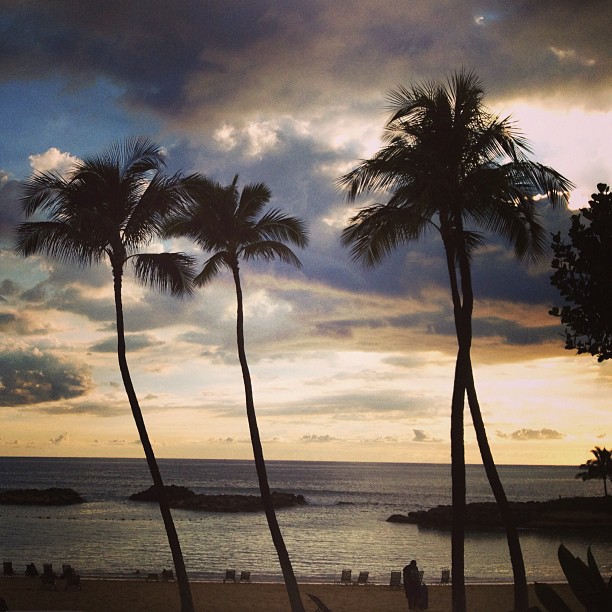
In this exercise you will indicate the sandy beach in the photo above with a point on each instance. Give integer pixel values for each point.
(129, 595)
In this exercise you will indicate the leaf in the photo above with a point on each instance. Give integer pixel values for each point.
(550, 599)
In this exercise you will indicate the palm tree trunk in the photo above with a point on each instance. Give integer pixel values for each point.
(457, 444)
(175, 547)
(291, 584)
(458, 488)
(521, 597)
(464, 335)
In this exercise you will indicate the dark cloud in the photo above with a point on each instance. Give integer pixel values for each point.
(10, 209)
(309, 438)
(60, 439)
(422, 436)
(532, 434)
(134, 342)
(31, 377)
(209, 60)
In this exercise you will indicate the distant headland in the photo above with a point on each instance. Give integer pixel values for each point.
(41, 497)
(184, 498)
(562, 513)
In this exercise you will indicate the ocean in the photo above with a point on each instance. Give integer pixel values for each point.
(343, 526)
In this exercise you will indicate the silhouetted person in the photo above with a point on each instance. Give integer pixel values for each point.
(411, 583)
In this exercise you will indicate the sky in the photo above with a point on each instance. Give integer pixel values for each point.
(348, 364)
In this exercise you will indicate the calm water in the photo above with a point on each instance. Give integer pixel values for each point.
(343, 525)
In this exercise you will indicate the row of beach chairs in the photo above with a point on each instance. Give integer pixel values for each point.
(395, 581)
(48, 576)
(230, 576)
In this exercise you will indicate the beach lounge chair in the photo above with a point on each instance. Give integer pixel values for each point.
(230, 576)
(66, 570)
(321, 607)
(395, 582)
(7, 568)
(3, 605)
(167, 575)
(73, 581)
(445, 577)
(345, 577)
(48, 569)
(362, 578)
(245, 576)
(152, 576)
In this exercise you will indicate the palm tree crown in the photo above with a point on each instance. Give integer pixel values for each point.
(108, 205)
(598, 468)
(450, 164)
(232, 225)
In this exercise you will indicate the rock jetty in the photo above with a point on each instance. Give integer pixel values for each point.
(184, 498)
(562, 513)
(41, 497)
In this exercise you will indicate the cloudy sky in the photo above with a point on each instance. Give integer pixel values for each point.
(348, 364)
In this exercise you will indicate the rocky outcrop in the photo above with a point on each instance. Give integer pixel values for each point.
(41, 497)
(173, 492)
(183, 498)
(562, 513)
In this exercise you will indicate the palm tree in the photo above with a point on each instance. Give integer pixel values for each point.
(451, 165)
(110, 206)
(230, 225)
(600, 467)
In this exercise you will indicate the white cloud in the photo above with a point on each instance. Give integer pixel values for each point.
(53, 160)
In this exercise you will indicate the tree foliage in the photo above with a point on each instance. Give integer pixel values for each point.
(583, 276)
(586, 582)
(598, 468)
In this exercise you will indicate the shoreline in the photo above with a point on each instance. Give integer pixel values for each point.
(101, 595)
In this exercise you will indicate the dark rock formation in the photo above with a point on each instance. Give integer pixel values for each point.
(41, 497)
(174, 493)
(562, 513)
(181, 497)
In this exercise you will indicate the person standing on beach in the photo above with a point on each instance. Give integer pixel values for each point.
(411, 583)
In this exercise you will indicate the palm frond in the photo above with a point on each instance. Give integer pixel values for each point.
(171, 272)
(377, 230)
(56, 239)
(212, 267)
(269, 250)
(252, 200)
(162, 197)
(279, 226)
(39, 192)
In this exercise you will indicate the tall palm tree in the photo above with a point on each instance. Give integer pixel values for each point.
(110, 206)
(452, 166)
(230, 225)
(600, 467)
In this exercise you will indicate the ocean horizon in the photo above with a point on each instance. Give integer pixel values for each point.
(343, 526)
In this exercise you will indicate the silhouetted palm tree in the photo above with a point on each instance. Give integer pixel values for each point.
(451, 165)
(230, 225)
(110, 206)
(600, 467)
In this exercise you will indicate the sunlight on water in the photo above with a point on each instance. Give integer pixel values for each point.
(344, 524)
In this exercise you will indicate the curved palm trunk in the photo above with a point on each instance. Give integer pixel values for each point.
(521, 597)
(277, 538)
(457, 444)
(458, 486)
(464, 337)
(175, 547)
